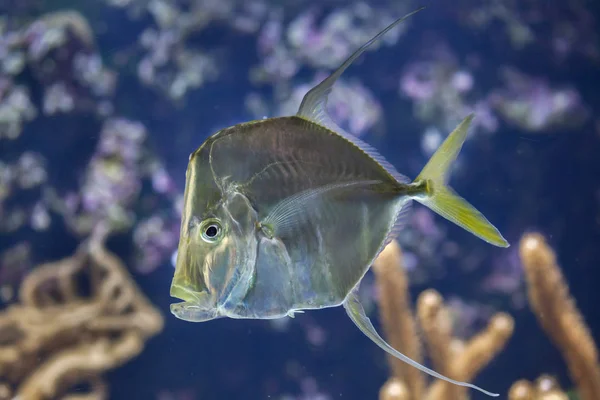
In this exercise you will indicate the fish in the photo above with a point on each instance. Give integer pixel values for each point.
(287, 214)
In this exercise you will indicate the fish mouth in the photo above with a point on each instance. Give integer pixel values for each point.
(192, 312)
(195, 306)
(186, 294)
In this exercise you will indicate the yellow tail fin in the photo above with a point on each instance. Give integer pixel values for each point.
(443, 200)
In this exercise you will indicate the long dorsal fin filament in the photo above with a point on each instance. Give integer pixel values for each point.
(314, 103)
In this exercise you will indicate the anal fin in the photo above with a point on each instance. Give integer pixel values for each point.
(357, 314)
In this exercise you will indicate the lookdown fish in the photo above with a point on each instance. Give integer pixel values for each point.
(287, 214)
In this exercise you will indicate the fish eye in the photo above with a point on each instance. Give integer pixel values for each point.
(211, 230)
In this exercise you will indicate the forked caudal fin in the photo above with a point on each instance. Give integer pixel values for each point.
(443, 200)
(357, 314)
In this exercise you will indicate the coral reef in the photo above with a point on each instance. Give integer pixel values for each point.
(534, 105)
(549, 299)
(15, 262)
(77, 318)
(101, 105)
(322, 42)
(452, 356)
(544, 388)
(557, 314)
(561, 29)
(59, 51)
(351, 104)
(442, 90)
(51, 73)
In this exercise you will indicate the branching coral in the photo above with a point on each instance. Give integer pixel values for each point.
(544, 388)
(399, 324)
(557, 314)
(77, 318)
(451, 356)
(549, 299)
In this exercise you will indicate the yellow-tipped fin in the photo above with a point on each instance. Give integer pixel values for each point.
(443, 200)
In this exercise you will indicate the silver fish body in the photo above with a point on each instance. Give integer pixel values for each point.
(311, 260)
(288, 214)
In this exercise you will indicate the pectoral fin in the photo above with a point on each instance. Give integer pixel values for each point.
(357, 314)
(296, 211)
(332, 234)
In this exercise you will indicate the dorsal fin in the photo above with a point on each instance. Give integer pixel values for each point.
(314, 103)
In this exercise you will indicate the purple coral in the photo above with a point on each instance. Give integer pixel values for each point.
(534, 105)
(112, 180)
(16, 109)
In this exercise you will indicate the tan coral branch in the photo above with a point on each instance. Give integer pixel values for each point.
(474, 356)
(544, 388)
(60, 336)
(483, 347)
(461, 362)
(78, 363)
(397, 318)
(521, 390)
(395, 389)
(556, 312)
(98, 391)
(437, 329)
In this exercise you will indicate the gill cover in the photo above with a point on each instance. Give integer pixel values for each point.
(217, 246)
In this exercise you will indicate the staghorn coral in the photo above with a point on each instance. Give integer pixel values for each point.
(557, 314)
(451, 356)
(544, 388)
(62, 336)
(399, 324)
(549, 298)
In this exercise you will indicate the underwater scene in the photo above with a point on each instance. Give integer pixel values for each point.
(299, 199)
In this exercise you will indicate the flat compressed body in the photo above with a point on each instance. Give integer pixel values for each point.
(287, 214)
(334, 236)
(278, 157)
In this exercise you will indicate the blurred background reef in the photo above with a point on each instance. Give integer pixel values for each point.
(102, 101)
